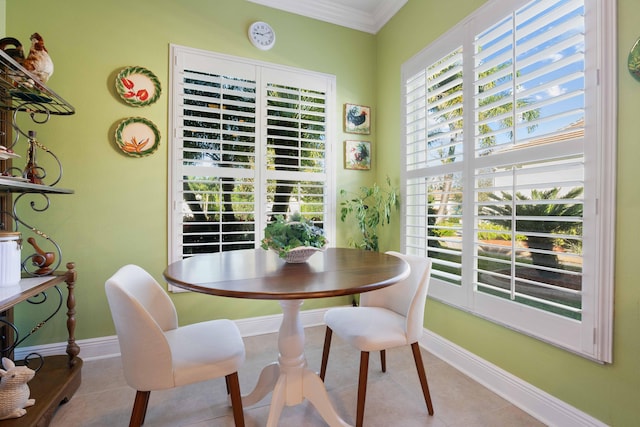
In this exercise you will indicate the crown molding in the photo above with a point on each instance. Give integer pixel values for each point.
(370, 18)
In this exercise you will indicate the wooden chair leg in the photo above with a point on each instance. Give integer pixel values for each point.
(383, 360)
(362, 387)
(139, 408)
(325, 352)
(236, 398)
(422, 375)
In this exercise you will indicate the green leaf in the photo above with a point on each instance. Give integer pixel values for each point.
(371, 207)
(282, 235)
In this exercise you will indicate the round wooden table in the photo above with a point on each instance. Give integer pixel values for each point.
(260, 274)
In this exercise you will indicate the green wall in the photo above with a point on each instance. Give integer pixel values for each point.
(607, 392)
(118, 213)
(3, 20)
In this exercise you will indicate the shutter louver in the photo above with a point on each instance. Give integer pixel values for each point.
(218, 214)
(296, 151)
(219, 121)
(434, 114)
(437, 231)
(435, 142)
(528, 236)
(529, 134)
(533, 89)
(218, 158)
(295, 129)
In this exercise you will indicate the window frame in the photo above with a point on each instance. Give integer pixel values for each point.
(244, 66)
(590, 337)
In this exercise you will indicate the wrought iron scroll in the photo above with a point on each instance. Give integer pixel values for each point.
(16, 340)
(43, 255)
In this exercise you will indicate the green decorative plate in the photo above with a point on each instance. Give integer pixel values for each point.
(137, 136)
(634, 60)
(138, 86)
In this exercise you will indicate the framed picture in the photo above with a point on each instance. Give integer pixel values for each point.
(357, 119)
(357, 155)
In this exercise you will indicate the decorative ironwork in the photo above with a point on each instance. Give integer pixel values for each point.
(22, 93)
(11, 328)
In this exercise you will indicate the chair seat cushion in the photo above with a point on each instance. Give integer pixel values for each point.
(367, 328)
(205, 350)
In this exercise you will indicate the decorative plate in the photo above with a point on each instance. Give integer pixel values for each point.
(7, 154)
(138, 86)
(137, 136)
(633, 61)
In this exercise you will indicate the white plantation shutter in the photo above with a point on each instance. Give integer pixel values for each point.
(434, 123)
(434, 114)
(214, 199)
(544, 266)
(249, 141)
(533, 60)
(513, 226)
(296, 144)
(529, 89)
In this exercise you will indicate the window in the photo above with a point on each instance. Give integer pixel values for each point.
(509, 168)
(249, 140)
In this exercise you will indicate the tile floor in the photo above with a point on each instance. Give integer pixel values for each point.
(394, 398)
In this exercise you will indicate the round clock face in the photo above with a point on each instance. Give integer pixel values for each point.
(262, 35)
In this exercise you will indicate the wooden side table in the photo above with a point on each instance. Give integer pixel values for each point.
(60, 375)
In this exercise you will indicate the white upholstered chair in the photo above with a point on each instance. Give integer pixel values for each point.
(157, 354)
(386, 318)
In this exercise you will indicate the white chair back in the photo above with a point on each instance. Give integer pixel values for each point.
(141, 312)
(408, 297)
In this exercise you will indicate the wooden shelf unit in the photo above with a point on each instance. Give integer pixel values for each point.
(60, 375)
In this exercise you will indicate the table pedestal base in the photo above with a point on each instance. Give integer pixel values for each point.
(290, 379)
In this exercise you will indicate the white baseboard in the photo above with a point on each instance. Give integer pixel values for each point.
(530, 399)
(539, 404)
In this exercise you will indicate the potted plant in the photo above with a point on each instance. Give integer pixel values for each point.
(372, 207)
(294, 240)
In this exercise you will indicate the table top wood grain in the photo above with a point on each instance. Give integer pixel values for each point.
(261, 274)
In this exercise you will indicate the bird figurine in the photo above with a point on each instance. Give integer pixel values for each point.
(38, 62)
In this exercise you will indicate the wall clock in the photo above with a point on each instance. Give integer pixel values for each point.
(262, 35)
